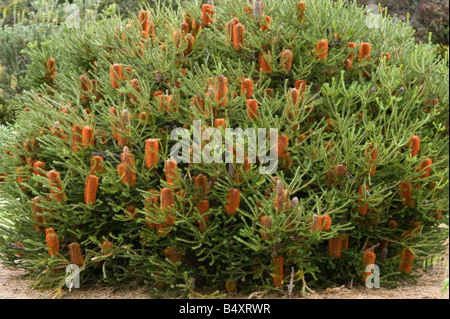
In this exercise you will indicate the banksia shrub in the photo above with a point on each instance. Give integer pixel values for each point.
(143, 169)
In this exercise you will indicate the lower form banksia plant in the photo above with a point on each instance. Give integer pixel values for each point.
(119, 162)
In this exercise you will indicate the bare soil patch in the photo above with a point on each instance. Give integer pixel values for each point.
(429, 286)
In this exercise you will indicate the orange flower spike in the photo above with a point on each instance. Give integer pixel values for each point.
(301, 12)
(220, 123)
(151, 152)
(38, 166)
(283, 142)
(52, 242)
(97, 165)
(167, 203)
(286, 60)
(252, 109)
(278, 263)
(207, 14)
(405, 191)
(407, 260)
(135, 85)
(90, 190)
(265, 23)
(55, 182)
(222, 90)
(87, 137)
(300, 85)
(201, 184)
(75, 255)
(362, 210)
(115, 73)
(293, 99)
(386, 55)
(392, 224)
(368, 259)
(322, 49)
(85, 85)
(203, 207)
(247, 88)
(126, 167)
(190, 39)
(37, 210)
(144, 20)
(51, 70)
(233, 200)
(266, 223)
(125, 120)
(372, 158)
(265, 66)
(364, 52)
(171, 171)
(238, 36)
(335, 246)
(349, 62)
(326, 223)
(76, 137)
(414, 145)
(426, 167)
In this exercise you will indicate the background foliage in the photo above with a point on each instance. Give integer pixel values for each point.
(382, 102)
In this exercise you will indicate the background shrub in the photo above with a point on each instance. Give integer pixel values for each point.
(425, 17)
(128, 220)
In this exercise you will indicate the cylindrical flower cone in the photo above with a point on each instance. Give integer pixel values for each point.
(55, 182)
(151, 152)
(252, 109)
(203, 207)
(90, 190)
(115, 74)
(37, 211)
(335, 247)
(207, 14)
(266, 224)
(87, 137)
(171, 171)
(97, 165)
(222, 90)
(362, 209)
(126, 168)
(322, 49)
(238, 36)
(247, 88)
(414, 145)
(407, 260)
(426, 168)
(278, 266)
(52, 242)
(301, 11)
(286, 60)
(368, 259)
(75, 255)
(233, 200)
(167, 203)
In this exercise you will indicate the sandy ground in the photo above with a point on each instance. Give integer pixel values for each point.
(429, 286)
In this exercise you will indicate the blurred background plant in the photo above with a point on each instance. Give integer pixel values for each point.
(425, 16)
(35, 21)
